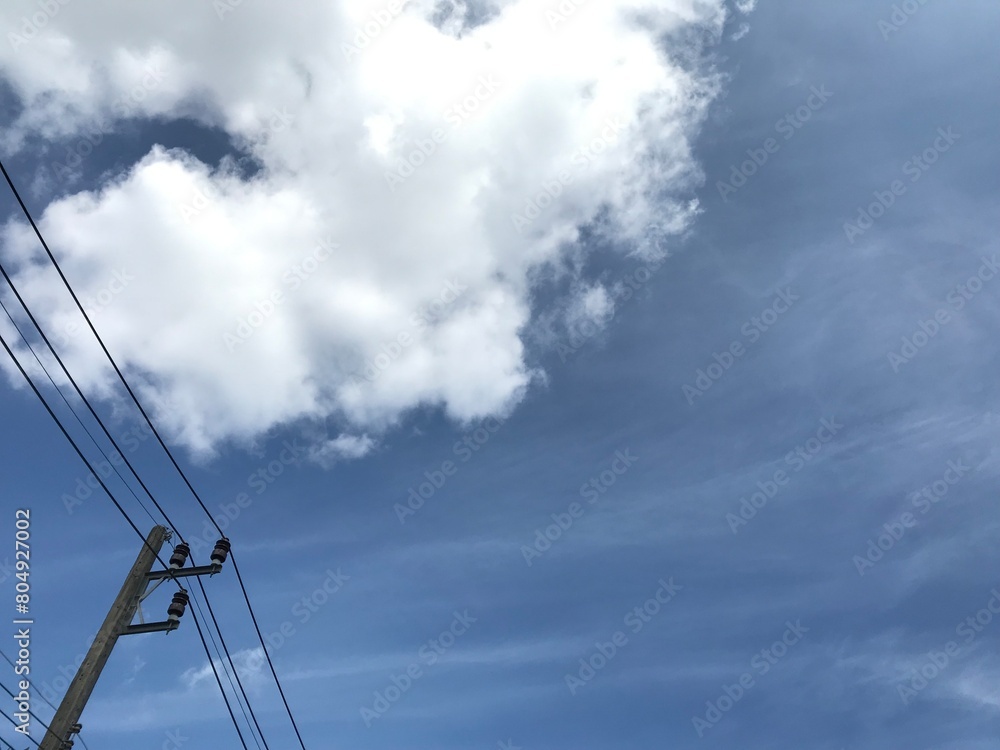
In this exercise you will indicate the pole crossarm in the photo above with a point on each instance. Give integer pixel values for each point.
(198, 570)
(151, 627)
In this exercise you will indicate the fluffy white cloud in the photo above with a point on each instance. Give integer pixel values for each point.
(591, 305)
(419, 169)
(343, 446)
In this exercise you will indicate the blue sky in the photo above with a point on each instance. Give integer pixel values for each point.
(726, 444)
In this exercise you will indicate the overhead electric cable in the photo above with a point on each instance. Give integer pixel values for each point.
(79, 391)
(156, 433)
(72, 442)
(75, 414)
(14, 723)
(148, 492)
(121, 510)
(211, 663)
(30, 712)
(232, 666)
(42, 696)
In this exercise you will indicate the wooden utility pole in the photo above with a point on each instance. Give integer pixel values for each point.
(119, 618)
(118, 623)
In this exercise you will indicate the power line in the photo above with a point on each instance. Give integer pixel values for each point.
(211, 663)
(14, 723)
(232, 666)
(72, 442)
(156, 433)
(263, 646)
(42, 696)
(73, 411)
(111, 438)
(229, 675)
(121, 510)
(32, 713)
(79, 391)
(148, 492)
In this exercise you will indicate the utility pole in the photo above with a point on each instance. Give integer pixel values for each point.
(118, 622)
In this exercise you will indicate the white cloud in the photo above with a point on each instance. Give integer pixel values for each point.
(343, 446)
(248, 662)
(596, 303)
(482, 120)
(978, 685)
(741, 32)
(591, 305)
